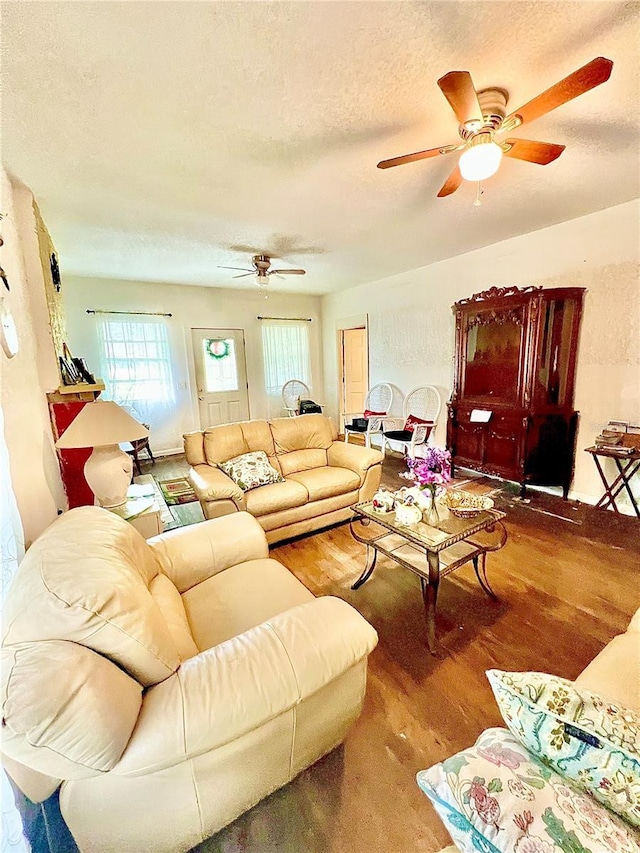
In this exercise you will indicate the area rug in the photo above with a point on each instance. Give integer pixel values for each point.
(177, 491)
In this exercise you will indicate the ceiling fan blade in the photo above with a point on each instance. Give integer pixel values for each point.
(533, 152)
(419, 155)
(458, 89)
(287, 272)
(244, 274)
(242, 269)
(452, 183)
(588, 77)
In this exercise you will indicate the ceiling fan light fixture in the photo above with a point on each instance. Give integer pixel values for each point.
(262, 281)
(481, 159)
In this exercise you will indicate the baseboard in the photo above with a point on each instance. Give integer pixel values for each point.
(175, 451)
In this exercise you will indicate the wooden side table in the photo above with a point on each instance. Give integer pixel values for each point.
(142, 512)
(628, 465)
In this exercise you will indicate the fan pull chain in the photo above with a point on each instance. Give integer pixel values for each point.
(479, 192)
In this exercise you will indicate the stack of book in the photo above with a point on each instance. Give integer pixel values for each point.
(609, 438)
(613, 441)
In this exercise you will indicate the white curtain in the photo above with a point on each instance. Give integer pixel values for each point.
(287, 355)
(135, 361)
(12, 543)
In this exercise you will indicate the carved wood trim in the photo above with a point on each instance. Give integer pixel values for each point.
(499, 316)
(497, 293)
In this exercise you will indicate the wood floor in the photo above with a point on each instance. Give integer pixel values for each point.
(567, 582)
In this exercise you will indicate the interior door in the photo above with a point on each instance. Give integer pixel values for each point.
(221, 376)
(355, 369)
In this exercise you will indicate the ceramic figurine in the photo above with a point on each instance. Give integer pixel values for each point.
(421, 498)
(383, 501)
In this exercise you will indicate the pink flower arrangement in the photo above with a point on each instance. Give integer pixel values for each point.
(431, 470)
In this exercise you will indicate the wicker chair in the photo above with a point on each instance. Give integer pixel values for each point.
(378, 399)
(424, 404)
(292, 392)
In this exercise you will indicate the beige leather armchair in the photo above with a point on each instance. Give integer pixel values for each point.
(169, 685)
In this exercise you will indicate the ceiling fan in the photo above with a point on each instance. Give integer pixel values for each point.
(261, 270)
(483, 119)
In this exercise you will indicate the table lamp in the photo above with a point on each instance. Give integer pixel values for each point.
(103, 425)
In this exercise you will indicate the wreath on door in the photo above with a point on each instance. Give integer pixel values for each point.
(218, 349)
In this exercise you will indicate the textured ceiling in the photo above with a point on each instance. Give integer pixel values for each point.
(159, 137)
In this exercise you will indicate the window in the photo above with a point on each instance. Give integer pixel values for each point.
(286, 353)
(136, 365)
(220, 364)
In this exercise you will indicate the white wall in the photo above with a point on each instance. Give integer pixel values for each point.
(29, 375)
(411, 328)
(191, 307)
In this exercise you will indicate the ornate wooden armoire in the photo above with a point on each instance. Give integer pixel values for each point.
(511, 411)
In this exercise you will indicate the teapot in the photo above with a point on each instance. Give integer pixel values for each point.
(383, 501)
(408, 513)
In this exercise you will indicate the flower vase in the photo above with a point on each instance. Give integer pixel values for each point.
(431, 514)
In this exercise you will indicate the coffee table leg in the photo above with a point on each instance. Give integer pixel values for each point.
(430, 596)
(368, 569)
(480, 566)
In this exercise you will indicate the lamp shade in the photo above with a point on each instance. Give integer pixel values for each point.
(481, 159)
(101, 423)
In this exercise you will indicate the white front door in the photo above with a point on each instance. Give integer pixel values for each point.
(221, 376)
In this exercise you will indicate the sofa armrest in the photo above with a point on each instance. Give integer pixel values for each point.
(212, 484)
(352, 456)
(190, 555)
(237, 686)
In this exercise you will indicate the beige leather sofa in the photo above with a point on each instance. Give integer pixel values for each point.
(169, 685)
(614, 674)
(323, 476)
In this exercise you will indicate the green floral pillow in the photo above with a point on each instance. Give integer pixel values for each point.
(496, 797)
(591, 741)
(251, 470)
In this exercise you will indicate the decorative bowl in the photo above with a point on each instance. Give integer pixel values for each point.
(464, 504)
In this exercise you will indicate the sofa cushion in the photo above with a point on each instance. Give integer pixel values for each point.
(309, 432)
(110, 611)
(251, 470)
(302, 460)
(225, 442)
(194, 447)
(276, 496)
(326, 482)
(240, 598)
(168, 599)
(309, 510)
(495, 797)
(58, 710)
(589, 740)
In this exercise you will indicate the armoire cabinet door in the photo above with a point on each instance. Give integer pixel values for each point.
(504, 445)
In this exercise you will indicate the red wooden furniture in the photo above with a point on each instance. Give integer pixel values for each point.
(64, 406)
(511, 411)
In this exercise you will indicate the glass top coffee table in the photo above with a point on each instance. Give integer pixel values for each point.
(431, 552)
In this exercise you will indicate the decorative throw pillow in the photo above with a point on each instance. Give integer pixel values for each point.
(591, 741)
(412, 422)
(496, 797)
(251, 470)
